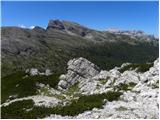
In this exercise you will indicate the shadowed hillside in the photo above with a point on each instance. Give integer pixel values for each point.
(51, 48)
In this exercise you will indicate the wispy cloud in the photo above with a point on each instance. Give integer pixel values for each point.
(23, 26)
(31, 27)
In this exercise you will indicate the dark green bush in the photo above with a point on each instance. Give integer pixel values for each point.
(125, 87)
(140, 67)
(132, 84)
(22, 86)
(144, 67)
(17, 109)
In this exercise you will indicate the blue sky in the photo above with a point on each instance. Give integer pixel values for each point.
(97, 15)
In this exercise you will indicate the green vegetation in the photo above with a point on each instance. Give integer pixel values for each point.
(125, 87)
(61, 97)
(45, 91)
(156, 85)
(17, 109)
(121, 108)
(103, 81)
(106, 55)
(73, 90)
(21, 85)
(132, 84)
(139, 67)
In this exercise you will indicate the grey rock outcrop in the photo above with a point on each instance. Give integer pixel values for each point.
(141, 102)
(35, 71)
(32, 71)
(48, 72)
(83, 67)
(78, 69)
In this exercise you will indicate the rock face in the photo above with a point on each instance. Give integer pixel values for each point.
(83, 67)
(55, 24)
(70, 27)
(78, 69)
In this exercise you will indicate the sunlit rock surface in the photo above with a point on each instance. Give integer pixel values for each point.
(139, 102)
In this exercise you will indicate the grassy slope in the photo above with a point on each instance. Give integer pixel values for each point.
(106, 56)
(53, 49)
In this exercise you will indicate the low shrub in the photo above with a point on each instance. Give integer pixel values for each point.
(121, 108)
(125, 87)
(22, 85)
(18, 109)
(139, 67)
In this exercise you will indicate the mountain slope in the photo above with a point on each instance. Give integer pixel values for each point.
(84, 91)
(61, 41)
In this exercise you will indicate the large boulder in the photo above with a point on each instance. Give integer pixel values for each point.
(83, 67)
(78, 69)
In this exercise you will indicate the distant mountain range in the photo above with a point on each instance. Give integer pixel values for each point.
(132, 33)
(51, 48)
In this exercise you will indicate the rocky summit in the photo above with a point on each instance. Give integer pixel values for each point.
(85, 91)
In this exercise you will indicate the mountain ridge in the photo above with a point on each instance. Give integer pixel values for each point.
(65, 24)
(44, 48)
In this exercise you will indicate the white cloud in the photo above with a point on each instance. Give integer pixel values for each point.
(22, 26)
(31, 27)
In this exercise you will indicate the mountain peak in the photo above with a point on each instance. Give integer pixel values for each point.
(68, 26)
(64, 24)
(56, 24)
